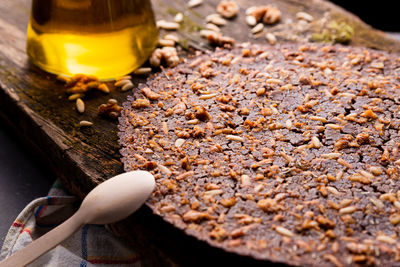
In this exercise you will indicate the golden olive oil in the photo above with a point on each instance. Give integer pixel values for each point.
(105, 38)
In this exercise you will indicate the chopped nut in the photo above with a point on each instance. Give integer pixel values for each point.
(268, 205)
(165, 42)
(196, 216)
(228, 9)
(111, 109)
(150, 94)
(228, 202)
(141, 103)
(166, 54)
(272, 15)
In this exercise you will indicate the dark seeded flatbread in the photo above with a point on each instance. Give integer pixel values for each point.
(287, 153)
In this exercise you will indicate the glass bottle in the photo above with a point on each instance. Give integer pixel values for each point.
(105, 38)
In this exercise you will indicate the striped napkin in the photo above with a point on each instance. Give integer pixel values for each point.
(93, 245)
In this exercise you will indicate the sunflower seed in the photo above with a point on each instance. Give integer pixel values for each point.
(171, 37)
(85, 123)
(283, 231)
(164, 42)
(178, 18)
(251, 21)
(258, 28)
(304, 16)
(80, 105)
(75, 97)
(212, 27)
(167, 25)
(127, 87)
(194, 3)
(270, 38)
(142, 71)
(216, 19)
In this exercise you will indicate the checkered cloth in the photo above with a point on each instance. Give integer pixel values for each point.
(93, 245)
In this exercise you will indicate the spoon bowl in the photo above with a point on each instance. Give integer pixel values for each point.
(109, 202)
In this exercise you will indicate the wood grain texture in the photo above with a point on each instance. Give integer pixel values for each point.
(35, 106)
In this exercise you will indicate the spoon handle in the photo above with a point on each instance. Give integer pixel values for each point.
(43, 244)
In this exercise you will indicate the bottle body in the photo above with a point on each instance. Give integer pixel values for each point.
(105, 38)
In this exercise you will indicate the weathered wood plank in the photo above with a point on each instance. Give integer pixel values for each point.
(35, 106)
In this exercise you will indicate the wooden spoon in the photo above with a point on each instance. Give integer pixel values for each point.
(109, 202)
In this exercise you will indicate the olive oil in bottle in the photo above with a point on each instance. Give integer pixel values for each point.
(105, 38)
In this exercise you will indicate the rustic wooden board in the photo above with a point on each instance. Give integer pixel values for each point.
(35, 106)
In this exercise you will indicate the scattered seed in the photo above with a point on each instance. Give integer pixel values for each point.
(236, 60)
(172, 37)
(367, 174)
(164, 42)
(216, 19)
(234, 138)
(208, 96)
(192, 122)
(74, 97)
(178, 18)
(289, 124)
(348, 210)
(142, 71)
(258, 28)
(394, 219)
(271, 38)
(63, 79)
(121, 83)
(85, 123)
(283, 231)
(212, 27)
(251, 21)
(304, 16)
(332, 190)
(331, 155)
(167, 25)
(377, 65)
(379, 204)
(194, 3)
(127, 87)
(386, 239)
(317, 118)
(264, 55)
(315, 142)
(334, 126)
(80, 105)
(245, 180)
(164, 169)
(104, 88)
(126, 77)
(179, 142)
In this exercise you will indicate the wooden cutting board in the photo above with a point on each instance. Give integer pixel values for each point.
(36, 108)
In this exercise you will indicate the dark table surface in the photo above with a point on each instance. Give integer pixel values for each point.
(22, 179)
